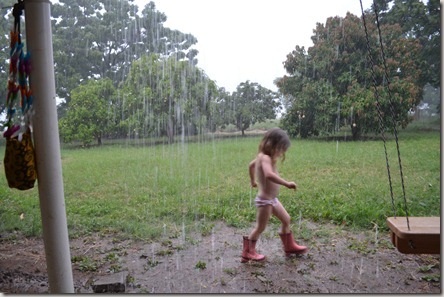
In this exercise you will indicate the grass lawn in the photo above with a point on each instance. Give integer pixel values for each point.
(142, 191)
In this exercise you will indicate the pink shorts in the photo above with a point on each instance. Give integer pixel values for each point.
(264, 202)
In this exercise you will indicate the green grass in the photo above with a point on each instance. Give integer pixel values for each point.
(348, 182)
(146, 191)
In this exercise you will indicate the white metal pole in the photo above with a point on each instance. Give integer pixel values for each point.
(47, 146)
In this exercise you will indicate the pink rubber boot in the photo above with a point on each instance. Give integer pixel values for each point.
(290, 246)
(249, 251)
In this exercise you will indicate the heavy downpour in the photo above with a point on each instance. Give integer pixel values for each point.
(238, 147)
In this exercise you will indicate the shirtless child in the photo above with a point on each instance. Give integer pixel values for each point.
(273, 146)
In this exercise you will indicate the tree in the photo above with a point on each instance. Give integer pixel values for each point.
(100, 39)
(253, 103)
(421, 22)
(88, 114)
(334, 75)
(315, 112)
(222, 108)
(167, 96)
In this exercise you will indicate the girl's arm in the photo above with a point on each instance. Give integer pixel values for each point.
(251, 169)
(272, 176)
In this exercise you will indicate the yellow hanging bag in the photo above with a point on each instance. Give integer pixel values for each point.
(19, 162)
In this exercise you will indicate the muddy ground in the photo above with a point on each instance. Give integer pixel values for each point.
(339, 261)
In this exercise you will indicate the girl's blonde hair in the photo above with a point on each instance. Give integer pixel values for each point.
(275, 140)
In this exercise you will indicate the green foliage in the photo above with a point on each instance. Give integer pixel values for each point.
(356, 190)
(432, 278)
(315, 112)
(331, 85)
(201, 265)
(222, 110)
(101, 38)
(110, 39)
(268, 124)
(172, 92)
(85, 263)
(18, 210)
(420, 21)
(252, 103)
(427, 268)
(146, 191)
(88, 115)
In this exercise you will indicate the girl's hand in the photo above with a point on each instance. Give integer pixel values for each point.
(292, 185)
(253, 184)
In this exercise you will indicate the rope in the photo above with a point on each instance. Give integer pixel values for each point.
(380, 121)
(392, 110)
(17, 12)
(378, 107)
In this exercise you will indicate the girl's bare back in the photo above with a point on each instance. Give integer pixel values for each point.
(264, 169)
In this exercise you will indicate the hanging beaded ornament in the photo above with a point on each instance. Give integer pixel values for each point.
(19, 161)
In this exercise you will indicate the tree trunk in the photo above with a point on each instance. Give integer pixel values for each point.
(170, 131)
(356, 132)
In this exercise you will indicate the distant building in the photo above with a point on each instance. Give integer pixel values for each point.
(421, 111)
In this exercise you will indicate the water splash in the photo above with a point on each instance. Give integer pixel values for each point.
(361, 268)
(183, 232)
(177, 262)
(300, 219)
(212, 240)
(377, 268)
(156, 177)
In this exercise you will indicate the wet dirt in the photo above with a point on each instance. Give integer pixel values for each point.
(339, 261)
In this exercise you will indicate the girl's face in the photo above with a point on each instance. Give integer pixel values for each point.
(280, 152)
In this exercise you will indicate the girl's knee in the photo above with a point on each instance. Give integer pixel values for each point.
(260, 228)
(286, 221)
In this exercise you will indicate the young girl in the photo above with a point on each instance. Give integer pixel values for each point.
(273, 146)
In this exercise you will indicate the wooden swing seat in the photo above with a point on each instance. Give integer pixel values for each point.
(424, 236)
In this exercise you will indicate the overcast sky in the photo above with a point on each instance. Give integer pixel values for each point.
(241, 40)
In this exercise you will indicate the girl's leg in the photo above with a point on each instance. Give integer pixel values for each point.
(280, 212)
(249, 243)
(263, 215)
(290, 246)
